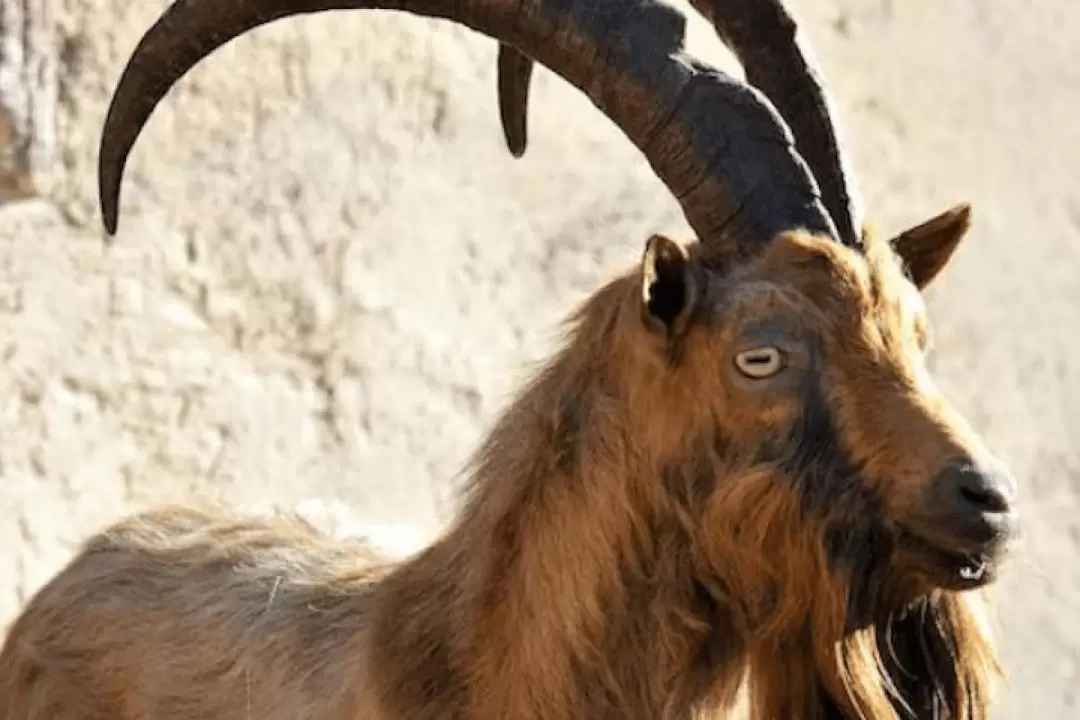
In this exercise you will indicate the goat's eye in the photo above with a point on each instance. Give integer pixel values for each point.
(759, 363)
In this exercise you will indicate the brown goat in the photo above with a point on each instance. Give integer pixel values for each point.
(736, 471)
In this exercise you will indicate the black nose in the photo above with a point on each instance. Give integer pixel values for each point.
(983, 492)
(977, 499)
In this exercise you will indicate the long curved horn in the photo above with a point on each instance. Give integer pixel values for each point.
(718, 145)
(776, 60)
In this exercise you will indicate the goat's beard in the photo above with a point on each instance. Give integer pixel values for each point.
(932, 660)
(906, 651)
(939, 658)
(870, 643)
(928, 653)
(833, 628)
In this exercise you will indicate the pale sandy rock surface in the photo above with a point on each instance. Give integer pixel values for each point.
(330, 274)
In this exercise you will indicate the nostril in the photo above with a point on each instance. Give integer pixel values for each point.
(983, 492)
(984, 498)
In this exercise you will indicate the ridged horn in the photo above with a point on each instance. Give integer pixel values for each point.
(777, 61)
(718, 145)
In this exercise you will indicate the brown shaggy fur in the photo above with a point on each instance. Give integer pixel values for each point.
(645, 530)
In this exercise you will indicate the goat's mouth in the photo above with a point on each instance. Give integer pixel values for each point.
(949, 568)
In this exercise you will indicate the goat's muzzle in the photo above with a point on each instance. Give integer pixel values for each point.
(968, 523)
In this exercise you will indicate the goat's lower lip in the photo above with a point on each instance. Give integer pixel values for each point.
(949, 568)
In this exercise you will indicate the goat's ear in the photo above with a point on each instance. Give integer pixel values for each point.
(927, 248)
(669, 285)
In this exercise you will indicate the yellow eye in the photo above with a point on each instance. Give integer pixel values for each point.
(760, 363)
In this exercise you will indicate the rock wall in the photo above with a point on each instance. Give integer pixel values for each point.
(330, 274)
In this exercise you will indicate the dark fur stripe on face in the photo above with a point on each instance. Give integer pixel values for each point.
(824, 474)
(832, 489)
